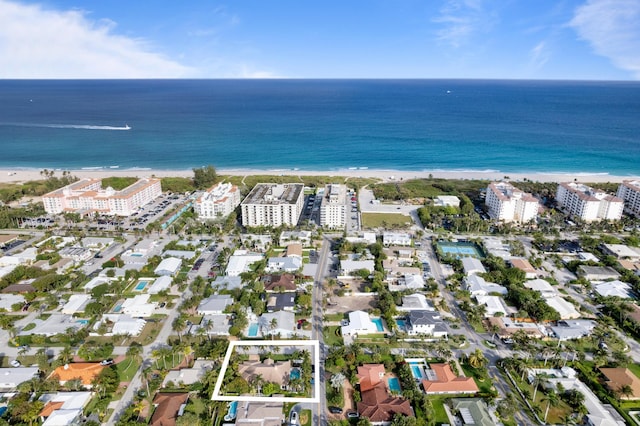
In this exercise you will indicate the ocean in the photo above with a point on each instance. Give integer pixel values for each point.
(408, 125)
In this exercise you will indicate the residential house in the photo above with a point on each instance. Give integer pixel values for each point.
(10, 378)
(169, 406)
(83, 371)
(240, 262)
(396, 239)
(359, 323)
(348, 267)
(473, 411)
(8, 300)
(119, 324)
(472, 266)
(621, 251)
(269, 370)
(63, 408)
(215, 325)
(572, 329)
(615, 288)
(169, 266)
(214, 304)
(188, 376)
(618, 378)
(524, 265)
(477, 286)
(425, 322)
(162, 283)
(227, 282)
(563, 307)
(284, 264)
(282, 282)
(251, 413)
(278, 323)
(377, 404)
(257, 242)
(446, 201)
(597, 273)
(545, 289)
(138, 306)
(96, 281)
(76, 303)
(444, 381)
(507, 327)
(494, 304)
(180, 254)
(303, 237)
(416, 302)
(281, 302)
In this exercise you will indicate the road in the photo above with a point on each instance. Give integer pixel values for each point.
(320, 414)
(475, 339)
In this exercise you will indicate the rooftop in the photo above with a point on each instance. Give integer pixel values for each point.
(272, 193)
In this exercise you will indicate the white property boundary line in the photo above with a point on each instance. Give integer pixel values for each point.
(232, 346)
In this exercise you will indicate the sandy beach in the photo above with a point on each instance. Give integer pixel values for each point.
(24, 175)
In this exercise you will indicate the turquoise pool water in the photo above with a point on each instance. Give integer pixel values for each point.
(136, 255)
(294, 373)
(402, 324)
(394, 384)
(83, 321)
(459, 249)
(231, 413)
(417, 371)
(378, 323)
(141, 285)
(118, 308)
(253, 329)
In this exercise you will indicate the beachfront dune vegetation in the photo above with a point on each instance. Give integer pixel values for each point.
(427, 188)
(204, 177)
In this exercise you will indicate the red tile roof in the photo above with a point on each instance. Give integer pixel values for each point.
(447, 382)
(378, 406)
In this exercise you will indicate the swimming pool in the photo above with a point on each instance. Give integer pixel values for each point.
(253, 329)
(231, 413)
(402, 324)
(141, 285)
(378, 323)
(394, 384)
(294, 373)
(83, 321)
(136, 255)
(459, 248)
(117, 308)
(416, 371)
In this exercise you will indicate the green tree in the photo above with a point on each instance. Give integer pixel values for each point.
(551, 399)
(204, 177)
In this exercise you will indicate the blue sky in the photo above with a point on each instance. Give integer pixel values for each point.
(522, 39)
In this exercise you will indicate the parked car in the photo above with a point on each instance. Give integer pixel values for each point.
(293, 418)
(15, 363)
(108, 361)
(335, 410)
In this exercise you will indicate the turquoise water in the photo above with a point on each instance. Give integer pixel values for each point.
(232, 412)
(136, 255)
(295, 373)
(510, 126)
(417, 372)
(141, 285)
(378, 323)
(460, 249)
(117, 308)
(402, 324)
(253, 329)
(394, 384)
(82, 321)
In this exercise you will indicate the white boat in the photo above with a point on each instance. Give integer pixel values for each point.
(126, 127)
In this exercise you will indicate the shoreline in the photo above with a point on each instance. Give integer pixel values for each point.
(17, 175)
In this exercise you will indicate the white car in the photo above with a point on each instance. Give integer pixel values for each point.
(293, 418)
(15, 363)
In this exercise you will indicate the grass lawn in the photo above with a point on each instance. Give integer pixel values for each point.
(127, 369)
(377, 220)
(332, 335)
(439, 413)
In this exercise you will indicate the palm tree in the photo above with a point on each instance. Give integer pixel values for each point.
(551, 398)
(625, 391)
(568, 420)
(187, 351)
(179, 324)
(134, 352)
(539, 379)
(273, 324)
(477, 359)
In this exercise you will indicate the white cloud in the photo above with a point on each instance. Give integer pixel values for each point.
(539, 55)
(460, 20)
(612, 28)
(39, 43)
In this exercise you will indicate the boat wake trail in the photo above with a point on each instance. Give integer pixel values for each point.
(70, 126)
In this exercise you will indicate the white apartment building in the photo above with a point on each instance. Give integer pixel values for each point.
(629, 191)
(333, 209)
(88, 196)
(507, 203)
(218, 201)
(587, 203)
(270, 204)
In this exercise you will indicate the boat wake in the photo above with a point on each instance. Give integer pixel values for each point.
(71, 126)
